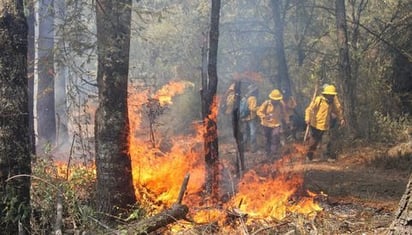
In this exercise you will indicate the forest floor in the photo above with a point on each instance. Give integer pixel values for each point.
(359, 191)
(363, 187)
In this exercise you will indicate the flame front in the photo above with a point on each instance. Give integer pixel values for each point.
(263, 192)
(165, 94)
(158, 176)
(270, 197)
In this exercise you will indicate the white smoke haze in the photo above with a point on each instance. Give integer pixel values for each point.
(165, 45)
(166, 38)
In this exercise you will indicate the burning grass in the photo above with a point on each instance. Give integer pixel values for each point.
(272, 197)
(262, 193)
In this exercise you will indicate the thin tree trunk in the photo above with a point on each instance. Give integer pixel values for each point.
(114, 173)
(14, 125)
(31, 18)
(357, 8)
(62, 134)
(210, 107)
(283, 73)
(344, 63)
(45, 116)
(237, 133)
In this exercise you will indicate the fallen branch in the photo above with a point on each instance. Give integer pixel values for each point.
(162, 219)
(183, 189)
(168, 216)
(260, 230)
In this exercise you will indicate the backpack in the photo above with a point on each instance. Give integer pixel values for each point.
(244, 108)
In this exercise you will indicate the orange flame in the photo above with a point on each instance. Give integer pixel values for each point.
(160, 174)
(267, 197)
(65, 171)
(263, 192)
(157, 175)
(214, 109)
(165, 94)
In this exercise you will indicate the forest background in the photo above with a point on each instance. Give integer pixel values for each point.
(291, 45)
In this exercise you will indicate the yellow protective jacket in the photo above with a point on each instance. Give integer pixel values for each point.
(271, 115)
(253, 107)
(319, 112)
(230, 102)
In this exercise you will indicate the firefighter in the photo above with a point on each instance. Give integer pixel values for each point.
(249, 121)
(272, 116)
(318, 116)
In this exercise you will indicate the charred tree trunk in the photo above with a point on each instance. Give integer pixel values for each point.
(402, 224)
(46, 119)
(344, 63)
(237, 132)
(209, 107)
(283, 76)
(114, 172)
(204, 53)
(31, 19)
(14, 125)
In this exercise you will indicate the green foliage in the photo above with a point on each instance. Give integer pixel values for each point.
(47, 147)
(388, 129)
(13, 210)
(49, 182)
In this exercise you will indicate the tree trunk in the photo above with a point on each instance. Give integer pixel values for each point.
(114, 173)
(62, 134)
(31, 19)
(402, 224)
(14, 126)
(46, 119)
(283, 73)
(344, 68)
(209, 105)
(237, 133)
(357, 9)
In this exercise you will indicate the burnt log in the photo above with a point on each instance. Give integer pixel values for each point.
(168, 216)
(402, 223)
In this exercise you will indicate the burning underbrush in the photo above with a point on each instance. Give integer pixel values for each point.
(273, 196)
(264, 192)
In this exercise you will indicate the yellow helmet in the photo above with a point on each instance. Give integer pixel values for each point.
(329, 90)
(275, 95)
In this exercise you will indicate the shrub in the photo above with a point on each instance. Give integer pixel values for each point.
(389, 129)
(51, 180)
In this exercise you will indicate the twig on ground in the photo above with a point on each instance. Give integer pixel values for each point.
(113, 231)
(268, 227)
